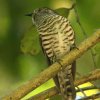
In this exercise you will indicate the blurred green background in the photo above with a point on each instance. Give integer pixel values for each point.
(21, 57)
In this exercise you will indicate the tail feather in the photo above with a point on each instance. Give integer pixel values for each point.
(66, 83)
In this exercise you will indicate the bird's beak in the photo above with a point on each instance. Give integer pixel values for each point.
(30, 14)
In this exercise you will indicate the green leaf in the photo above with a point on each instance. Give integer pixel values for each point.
(30, 42)
(63, 11)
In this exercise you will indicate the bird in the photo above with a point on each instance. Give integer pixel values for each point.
(57, 38)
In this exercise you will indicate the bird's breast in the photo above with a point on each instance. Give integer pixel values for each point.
(57, 36)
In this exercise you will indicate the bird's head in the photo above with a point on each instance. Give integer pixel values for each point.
(39, 15)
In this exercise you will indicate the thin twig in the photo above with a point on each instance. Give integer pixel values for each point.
(84, 33)
(81, 91)
(54, 68)
(86, 88)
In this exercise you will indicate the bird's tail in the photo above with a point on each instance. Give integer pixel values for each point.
(66, 83)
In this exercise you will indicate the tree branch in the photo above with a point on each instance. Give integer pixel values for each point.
(53, 91)
(53, 69)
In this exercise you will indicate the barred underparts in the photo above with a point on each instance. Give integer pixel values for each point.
(57, 39)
